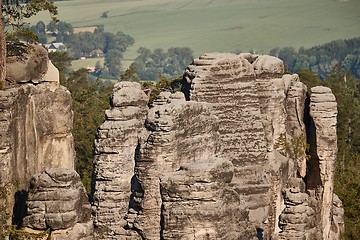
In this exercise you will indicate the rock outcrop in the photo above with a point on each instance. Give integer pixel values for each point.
(36, 125)
(323, 111)
(58, 200)
(36, 130)
(286, 122)
(197, 203)
(114, 163)
(245, 152)
(36, 122)
(177, 133)
(28, 63)
(230, 162)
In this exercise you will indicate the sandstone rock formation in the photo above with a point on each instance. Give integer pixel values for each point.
(231, 162)
(36, 124)
(323, 111)
(114, 161)
(167, 147)
(58, 200)
(197, 204)
(35, 132)
(29, 63)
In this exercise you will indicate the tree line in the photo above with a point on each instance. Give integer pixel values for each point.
(323, 58)
(150, 65)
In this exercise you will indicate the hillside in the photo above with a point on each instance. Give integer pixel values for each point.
(218, 25)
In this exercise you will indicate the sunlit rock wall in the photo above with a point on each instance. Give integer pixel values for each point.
(245, 153)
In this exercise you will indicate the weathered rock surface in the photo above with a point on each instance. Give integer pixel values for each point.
(230, 162)
(323, 111)
(160, 145)
(36, 124)
(116, 144)
(58, 200)
(177, 132)
(35, 135)
(281, 101)
(31, 66)
(197, 204)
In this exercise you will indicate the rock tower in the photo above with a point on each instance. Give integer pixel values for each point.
(245, 152)
(37, 147)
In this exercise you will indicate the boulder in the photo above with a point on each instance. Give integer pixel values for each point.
(58, 200)
(31, 66)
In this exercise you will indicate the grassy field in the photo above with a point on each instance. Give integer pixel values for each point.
(218, 25)
(91, 62)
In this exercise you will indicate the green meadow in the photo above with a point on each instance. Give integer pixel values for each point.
(218, 25)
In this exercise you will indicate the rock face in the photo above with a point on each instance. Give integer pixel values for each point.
(166, 149)
(197, 204)
(58, 200)
(35, 132)
(230, 162)
(323, 111)
(36, 124)
(116, 144)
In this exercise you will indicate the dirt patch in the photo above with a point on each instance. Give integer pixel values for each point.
(85, 29)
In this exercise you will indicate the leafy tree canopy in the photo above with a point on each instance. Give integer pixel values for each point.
(322, 59)
(150, 64)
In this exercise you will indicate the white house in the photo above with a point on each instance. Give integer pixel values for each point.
(54, 47)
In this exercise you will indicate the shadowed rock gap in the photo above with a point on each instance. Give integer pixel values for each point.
(312, 178)
(19, 210)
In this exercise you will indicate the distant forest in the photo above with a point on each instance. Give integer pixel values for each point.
(323, 58)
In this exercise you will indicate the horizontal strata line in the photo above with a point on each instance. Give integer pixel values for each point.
(250, 160)
(225, 79)
(227, 99)
(218, 85)
(244, 140)
(250, 127)
(240, 147)
(240, 130)
(252, 190)
(243, 187)
(205, 90)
